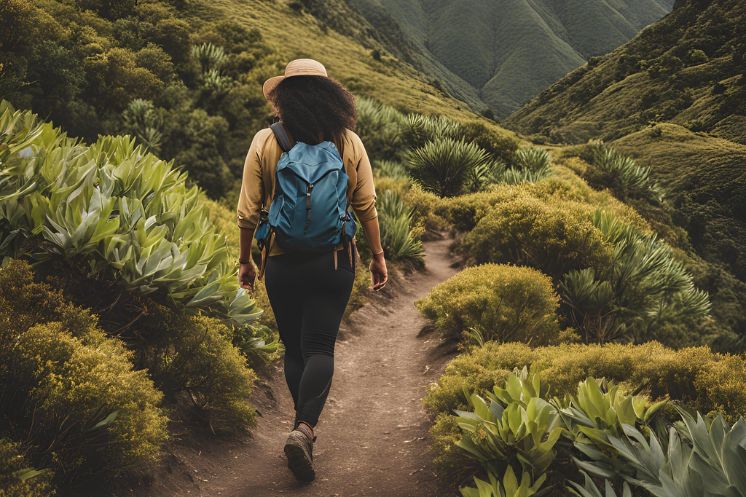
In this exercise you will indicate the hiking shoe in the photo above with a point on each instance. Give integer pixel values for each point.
(299, 451)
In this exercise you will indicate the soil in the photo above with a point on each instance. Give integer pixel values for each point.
(372, 436)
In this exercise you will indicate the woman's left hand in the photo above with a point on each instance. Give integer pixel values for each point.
(379, 275)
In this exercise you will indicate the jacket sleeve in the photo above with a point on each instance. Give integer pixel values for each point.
(364, 195)
(252, 190)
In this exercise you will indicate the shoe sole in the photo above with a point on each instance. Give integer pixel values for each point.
(299, 460)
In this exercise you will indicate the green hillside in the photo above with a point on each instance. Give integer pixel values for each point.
(687, 69)
(184, 78)
(502, 52)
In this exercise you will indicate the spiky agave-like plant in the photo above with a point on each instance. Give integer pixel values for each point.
(380, 127)
(533, 159)
(141, 120)
(209, 56)
(645, 288)
(444, 165)
(419, 129)
(400, 239)
(622, 174)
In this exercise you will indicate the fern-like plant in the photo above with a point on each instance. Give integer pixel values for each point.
(644, 289)
(209, 56)
(141, 120)
(621, 174)
(443, 165)
(401, 240)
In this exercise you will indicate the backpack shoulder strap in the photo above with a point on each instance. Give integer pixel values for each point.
(283, 138)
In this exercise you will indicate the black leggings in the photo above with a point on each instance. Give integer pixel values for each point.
(308, 297)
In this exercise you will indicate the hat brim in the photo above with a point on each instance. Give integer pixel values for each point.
(271, 84)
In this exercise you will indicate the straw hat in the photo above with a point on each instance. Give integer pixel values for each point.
(297, 67)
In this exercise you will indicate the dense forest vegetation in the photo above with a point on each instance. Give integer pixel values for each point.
(187, 88)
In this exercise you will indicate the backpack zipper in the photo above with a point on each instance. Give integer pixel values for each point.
(307, 225)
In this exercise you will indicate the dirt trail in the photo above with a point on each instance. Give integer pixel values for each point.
(372, 437)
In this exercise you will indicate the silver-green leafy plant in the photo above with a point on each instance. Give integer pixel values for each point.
(601, 408)
(509, 486)
(589, 488)
(702, 458)
(117, 212)
(512, 426)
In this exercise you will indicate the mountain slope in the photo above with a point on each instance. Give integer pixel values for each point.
(502, 52)
(689, 69)
(344, 42)
(685, 76)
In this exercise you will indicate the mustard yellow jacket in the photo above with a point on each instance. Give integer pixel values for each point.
(258, 180)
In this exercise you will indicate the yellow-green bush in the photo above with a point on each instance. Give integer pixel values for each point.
(194, 361)
(58, 367)
(25, 302)
(424, 206)
(499, 302)
(555, 237)
(18, 478)
(465, 211)
(78, 400)
(695, 376)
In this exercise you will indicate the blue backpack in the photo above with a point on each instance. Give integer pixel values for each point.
(309, 209)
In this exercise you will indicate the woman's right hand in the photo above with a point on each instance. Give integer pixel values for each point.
(247, 276)
(379, 275)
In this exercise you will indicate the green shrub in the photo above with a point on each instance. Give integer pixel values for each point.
(79, 401)
(17, 477)
(696, 377)
(444, 165)
(425, 206)
(503, 303)
(500, 147)
(128, 215)
(379, 127)
(533, 159)
(194, 361)
(418, 129)
(644, 293)
(555, 237)
(464, 211)
(399, 235)
(620, 173)
(25, 302)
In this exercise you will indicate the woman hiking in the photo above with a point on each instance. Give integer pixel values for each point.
(302, 180)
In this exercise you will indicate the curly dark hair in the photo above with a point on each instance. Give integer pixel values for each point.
(314, 108)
